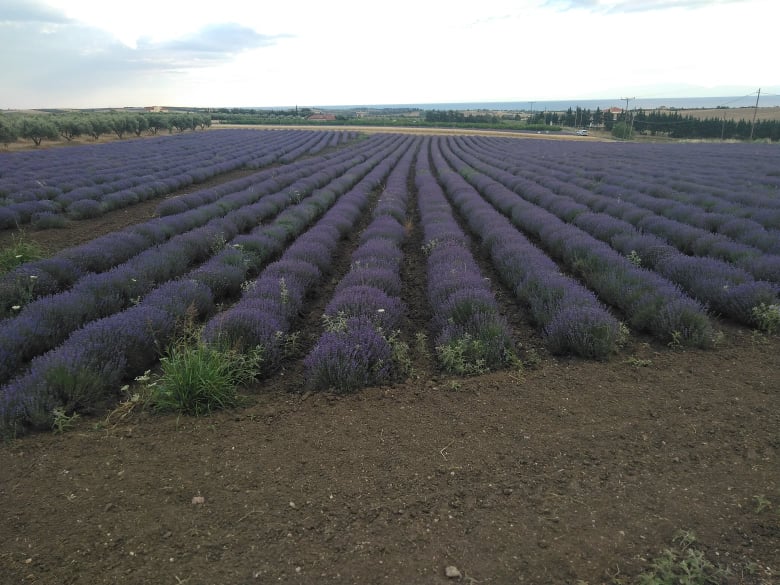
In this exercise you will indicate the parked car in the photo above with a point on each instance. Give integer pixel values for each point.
(582, 132)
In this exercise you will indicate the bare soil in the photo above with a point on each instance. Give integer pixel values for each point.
(568, 472)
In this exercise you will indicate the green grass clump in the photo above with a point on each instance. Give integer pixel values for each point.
(19, 252)
(198, 378)
(683, 564)
(767, 317)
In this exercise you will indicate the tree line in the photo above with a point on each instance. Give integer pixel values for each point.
(69, 126)
(675, 125)
(460, 117)
(661, 123)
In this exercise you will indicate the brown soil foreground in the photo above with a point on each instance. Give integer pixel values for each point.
(573, 472)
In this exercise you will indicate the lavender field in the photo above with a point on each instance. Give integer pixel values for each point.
(308, 256)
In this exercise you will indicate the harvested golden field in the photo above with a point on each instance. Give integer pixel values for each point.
(770, 114)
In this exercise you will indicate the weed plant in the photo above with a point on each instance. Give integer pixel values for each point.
(767, 317)
(682, 564)
(19, 252)
(198, 378)
(463, 356)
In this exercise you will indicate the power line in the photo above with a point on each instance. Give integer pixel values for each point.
(755, 111)
(631, 126)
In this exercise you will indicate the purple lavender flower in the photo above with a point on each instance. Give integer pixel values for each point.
(356, 357)
(242, 328)
(385, 279)
(182, 299)
(369, 303)
(584, 330)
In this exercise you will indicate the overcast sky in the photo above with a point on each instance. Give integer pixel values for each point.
(102, 53)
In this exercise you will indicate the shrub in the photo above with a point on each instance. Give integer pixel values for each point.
(385, 279)
(481, 343)
(463, 356)
(47, 220)
(180, 297)
(587, 331)
(242, 328)
(367, 302)
(85, 209)
(19, 252)
(9, 218)
(199, 378)
(767, 317)
(350, 358)
(621, 130)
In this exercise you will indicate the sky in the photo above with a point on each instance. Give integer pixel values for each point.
(234, 53)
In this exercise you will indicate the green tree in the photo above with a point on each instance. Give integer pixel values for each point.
(122, 124)
(38, 129)
(141, 125)
(621, 130)
(71, 127)
(181, 122)
(609, 120)
(157, 122)
(598, 117)
(8, 131)
(98, 125)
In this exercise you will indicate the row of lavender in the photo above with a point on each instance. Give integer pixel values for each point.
(87, 181)
(649, 301)
(470, 333)
(141, 300)
(52, 275)
(571, 318)
(722, 287)
(87, 367)
(43, 323)
(359, 345)
(268, 308)
(34, 175)
(736, 181)
(747, 212)
(46, 322)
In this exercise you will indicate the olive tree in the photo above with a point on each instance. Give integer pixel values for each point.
(8, 131)
(38, 129)
(71, 127)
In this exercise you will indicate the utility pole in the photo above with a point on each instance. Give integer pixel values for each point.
(755, 111)
(631, 126)
(531, 119)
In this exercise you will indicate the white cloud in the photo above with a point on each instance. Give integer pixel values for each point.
(615, 6)
(86, 53)
(26, 11)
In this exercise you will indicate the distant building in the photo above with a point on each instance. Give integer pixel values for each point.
(155, 109)
(322, 117)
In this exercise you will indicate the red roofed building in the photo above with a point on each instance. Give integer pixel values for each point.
(322, 117)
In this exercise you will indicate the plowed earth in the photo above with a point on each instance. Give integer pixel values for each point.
(568, 472)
